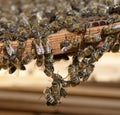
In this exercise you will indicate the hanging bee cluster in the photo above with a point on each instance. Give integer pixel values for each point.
(22, 20)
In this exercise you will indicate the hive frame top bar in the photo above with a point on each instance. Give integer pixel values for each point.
(55, 39)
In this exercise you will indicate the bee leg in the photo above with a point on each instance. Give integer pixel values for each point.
(63, 92)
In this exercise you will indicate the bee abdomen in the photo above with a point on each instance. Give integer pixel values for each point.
(75, 80)
(50, 98)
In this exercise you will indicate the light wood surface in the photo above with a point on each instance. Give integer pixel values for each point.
(89, 98)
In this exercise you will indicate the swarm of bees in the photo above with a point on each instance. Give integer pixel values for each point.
(22, 20)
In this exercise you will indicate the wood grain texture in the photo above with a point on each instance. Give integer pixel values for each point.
(89, 98)
(55, 39)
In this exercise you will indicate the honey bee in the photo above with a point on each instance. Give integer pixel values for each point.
(86, 12)
(113, 18)
(15, 63)
(39, 50)
(47, 48)
(12, 27)
(84, 63)
(102, 10)
(3, 22)
(115, 47)
(2, 31)
(24, 21)
(54, 26)
(75, 42)
(49, 69)
(35, 32)
(54, 94)
(48, 61)
(8, 47)
(32, 51)
(9, 54)
(27, 59)
(60, 18)
(44, 22)
(85, 73)
(33, 20)
(38, 46)
(73, 73)
(56, 88)
(21, 34)
(5, 61)
(69, 21)
(96, 55)
(58, 78)
(87, 51)
(114, 9)
(67, 44)
(20, 49)
(92, 38)
(49, 97)
(76, 4)
(107, 2)
(107, 43)
(110, 30)
(78, 28)
(75, 59)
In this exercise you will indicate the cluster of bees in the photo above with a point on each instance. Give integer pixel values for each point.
(22, 20)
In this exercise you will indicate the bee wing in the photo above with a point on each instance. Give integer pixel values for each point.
(39, 49)
(10, 50)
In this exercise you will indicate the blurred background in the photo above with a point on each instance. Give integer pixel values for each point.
(21, 93)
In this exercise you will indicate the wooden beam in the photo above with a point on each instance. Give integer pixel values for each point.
(55, 39)
(88, 98)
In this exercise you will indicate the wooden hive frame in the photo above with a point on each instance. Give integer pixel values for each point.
(55, 39)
